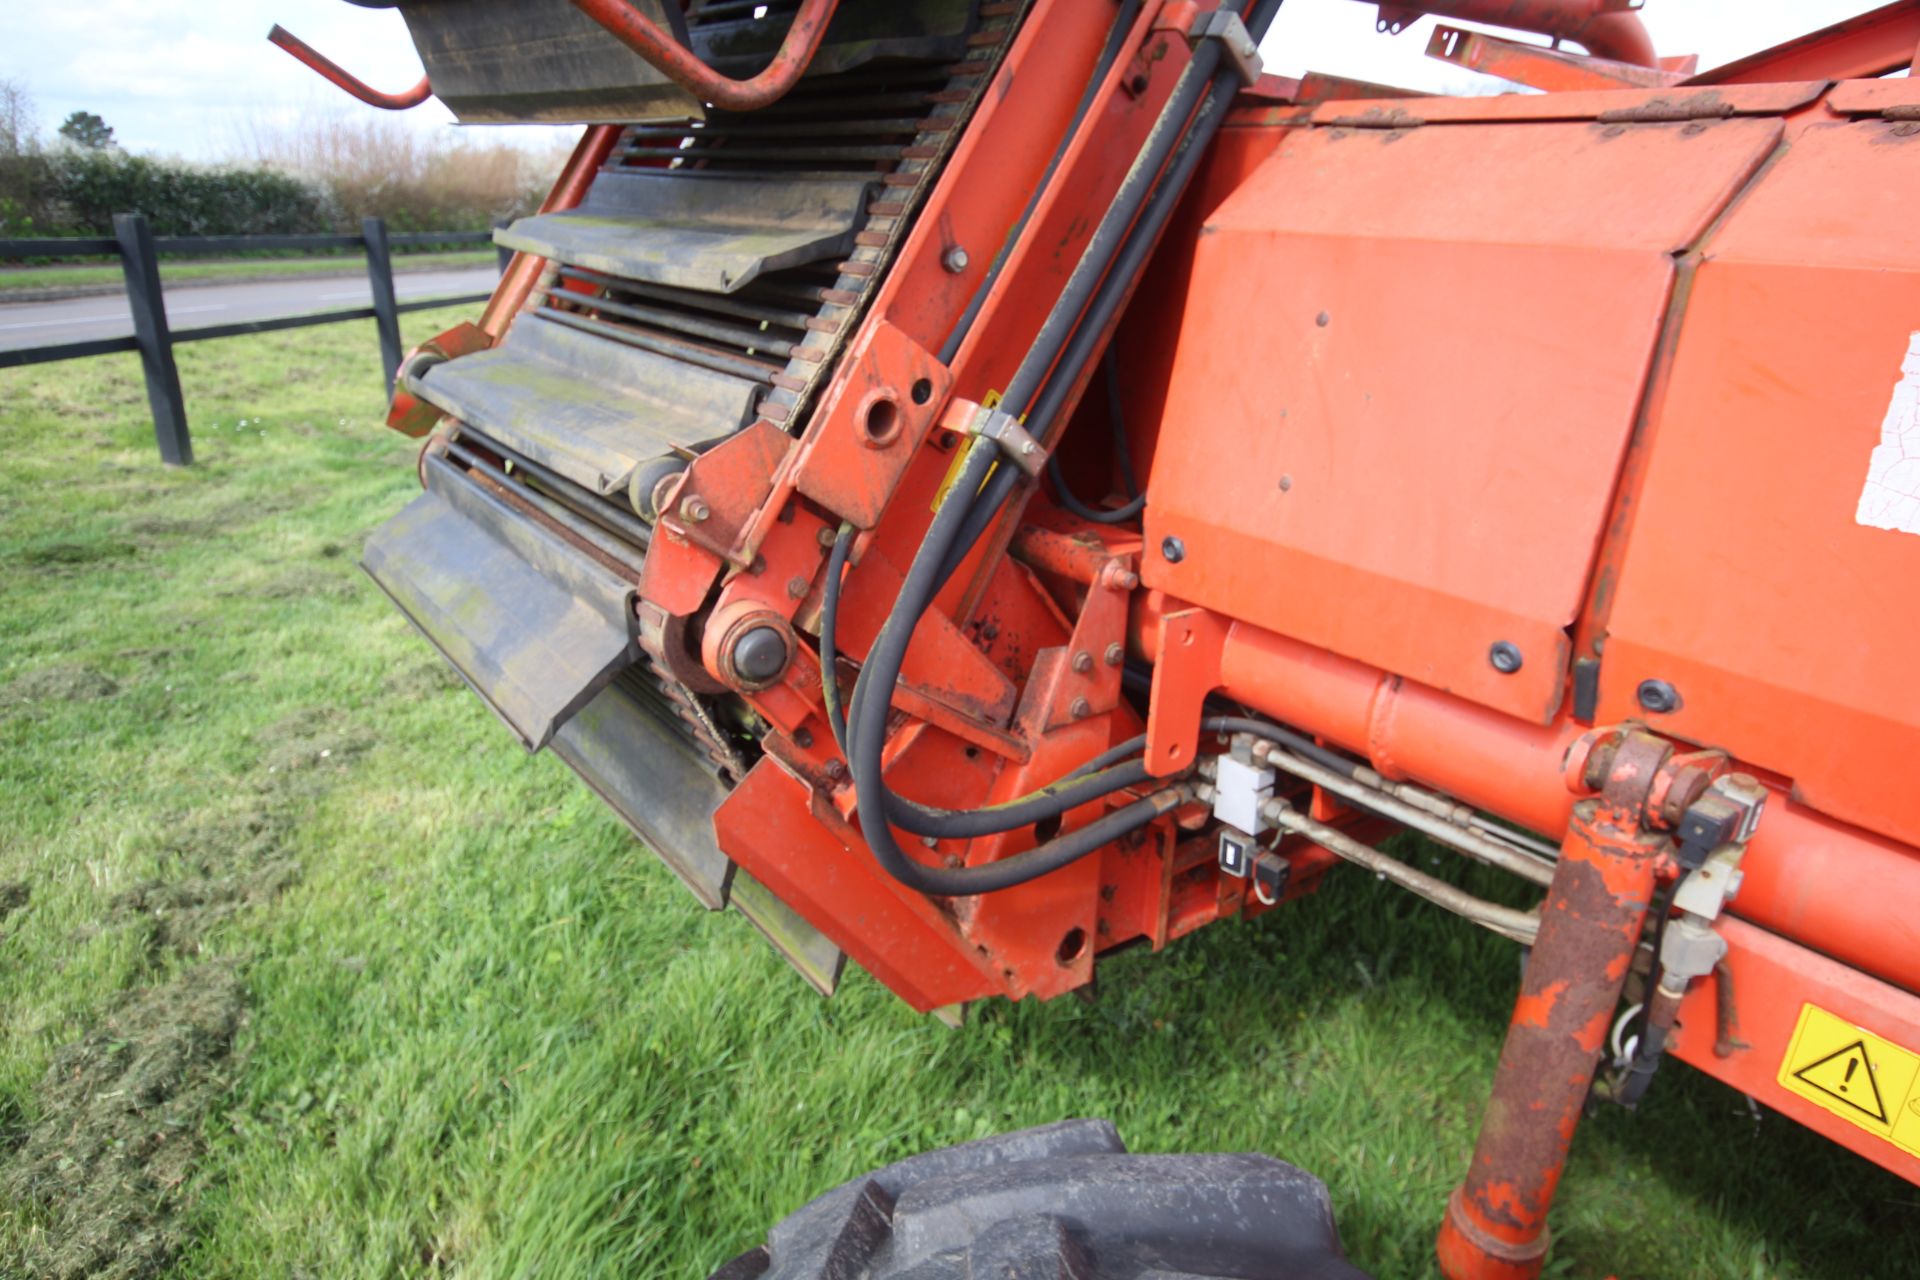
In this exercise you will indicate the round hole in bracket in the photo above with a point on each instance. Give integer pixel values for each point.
(880, 420)
(1072, 946)
(922, 391)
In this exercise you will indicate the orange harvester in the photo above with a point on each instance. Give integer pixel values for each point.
(978, 484)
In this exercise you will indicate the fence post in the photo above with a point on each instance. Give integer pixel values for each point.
(500, 251)
(140, 266)
(386, 316)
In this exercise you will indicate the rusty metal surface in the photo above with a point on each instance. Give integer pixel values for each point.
(535, 626)
(1496, 1224)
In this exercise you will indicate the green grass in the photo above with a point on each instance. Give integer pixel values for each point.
(13, 279)
(307, 970)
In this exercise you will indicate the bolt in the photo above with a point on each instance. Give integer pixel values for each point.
(1286, 483)
(797, 588)
(1659, 697)
(1505, 657)
(1323, 319)
(828, 535)
(803, 738)
(1083, 662)
(954, 259)
(694, 509)
(1029, 448)
(760, 654)
(1173, 549)
(835, 769)
(1115, 654)
(1080, 709)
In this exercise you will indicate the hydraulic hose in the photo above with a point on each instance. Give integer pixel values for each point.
(1126, 235)
(1136, 500)
(1096, 778)
(1117, 282)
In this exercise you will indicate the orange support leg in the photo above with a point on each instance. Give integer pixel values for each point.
(1496, 1223)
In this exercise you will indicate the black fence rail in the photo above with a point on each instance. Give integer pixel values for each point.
(138, 249)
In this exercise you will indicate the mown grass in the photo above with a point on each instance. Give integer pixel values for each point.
(15, 279)
(307, 970)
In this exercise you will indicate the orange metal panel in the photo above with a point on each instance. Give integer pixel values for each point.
(1408, 368)
(1772, 980)
(1750, 583)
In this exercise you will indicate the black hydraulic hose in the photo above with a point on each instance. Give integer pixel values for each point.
(1101, 776)
(1136, 500)
(1292, 739)
(1118, 283)
(1186, 123)
(1122, 24)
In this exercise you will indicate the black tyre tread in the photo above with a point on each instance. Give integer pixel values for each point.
(1060, 1202)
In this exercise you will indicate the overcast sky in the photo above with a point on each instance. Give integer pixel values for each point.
(188, 77)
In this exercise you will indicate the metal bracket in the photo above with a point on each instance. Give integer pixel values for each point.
(1005, 430)
(1226, 27)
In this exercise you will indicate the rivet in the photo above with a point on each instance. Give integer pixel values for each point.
(797, 588)
(1286, 483)
(828, 535)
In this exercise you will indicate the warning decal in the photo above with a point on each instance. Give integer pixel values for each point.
(1866, 1081)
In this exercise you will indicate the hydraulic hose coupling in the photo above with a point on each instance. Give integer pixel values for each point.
(1496, 1223)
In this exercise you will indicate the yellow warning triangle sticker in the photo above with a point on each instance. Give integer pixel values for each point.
(1846, 1075)
(1865, 1079)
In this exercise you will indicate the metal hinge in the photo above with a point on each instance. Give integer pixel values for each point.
(1670, 111)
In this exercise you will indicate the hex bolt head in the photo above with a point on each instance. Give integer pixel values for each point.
(828, 536)
(1658, 697)
(1115, 655)
(1173, 549)
(954, 259)
(1080, 709)
(694, 509)
(760, 654)
(1505, 657)
(797, 587)
(1083, 662)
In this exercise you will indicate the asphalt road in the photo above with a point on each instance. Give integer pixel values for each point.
(34, 324)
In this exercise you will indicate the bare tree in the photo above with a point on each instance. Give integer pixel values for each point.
(17, 114)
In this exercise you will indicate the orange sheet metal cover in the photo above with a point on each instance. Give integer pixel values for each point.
(1772, 573)
(1408, 369)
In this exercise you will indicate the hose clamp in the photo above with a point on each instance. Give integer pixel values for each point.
(1004, 429)
(1235, 41)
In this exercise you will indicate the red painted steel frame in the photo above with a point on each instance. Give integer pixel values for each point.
(345, 79)
(673, 59)
(1872, 44)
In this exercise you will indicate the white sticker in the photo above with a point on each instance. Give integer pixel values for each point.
(1891, 498)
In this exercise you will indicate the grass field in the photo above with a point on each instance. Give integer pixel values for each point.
(306, 970)
(16, 279)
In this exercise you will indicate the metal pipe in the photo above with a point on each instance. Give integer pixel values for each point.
(1605, 28)
(1496, 1223)
(675, 61)
(345, 79)
(1520, 926)
(1824, 884)
(1454, 836)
